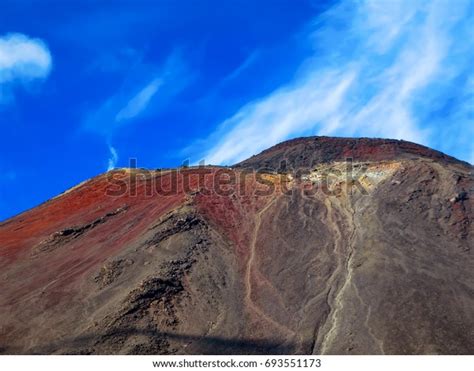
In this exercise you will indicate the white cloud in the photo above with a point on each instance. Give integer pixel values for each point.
(242, 67)
(145, 90)
(381, 72)
(261, 124)
(23, 58)
(139, 102)
(121, 108)
(112, 159)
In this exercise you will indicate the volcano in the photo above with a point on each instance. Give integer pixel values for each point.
(317, 245)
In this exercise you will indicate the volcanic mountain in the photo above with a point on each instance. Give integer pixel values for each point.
(315, 246)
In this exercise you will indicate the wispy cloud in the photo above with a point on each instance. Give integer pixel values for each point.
(144, 87)
(112, 159)
(266, 122)
(139, 102)
(155, 86)
(379, 68)
(241, 68)
(22, 59)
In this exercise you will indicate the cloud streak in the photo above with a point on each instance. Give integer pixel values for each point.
(154, 87)
(145, 89)
(241, 68)
(139, 102)
(379, 69)
(112, 159)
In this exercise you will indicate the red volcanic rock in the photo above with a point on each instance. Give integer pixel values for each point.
(229, 260)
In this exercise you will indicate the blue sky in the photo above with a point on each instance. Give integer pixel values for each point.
(86, 85)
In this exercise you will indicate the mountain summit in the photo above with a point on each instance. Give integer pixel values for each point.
(315, 246)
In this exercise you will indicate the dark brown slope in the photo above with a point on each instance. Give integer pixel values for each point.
(378, 261)
(309, 151)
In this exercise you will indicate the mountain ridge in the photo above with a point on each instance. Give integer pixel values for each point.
(364, 148)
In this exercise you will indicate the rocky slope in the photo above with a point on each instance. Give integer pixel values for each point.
(293, 251)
